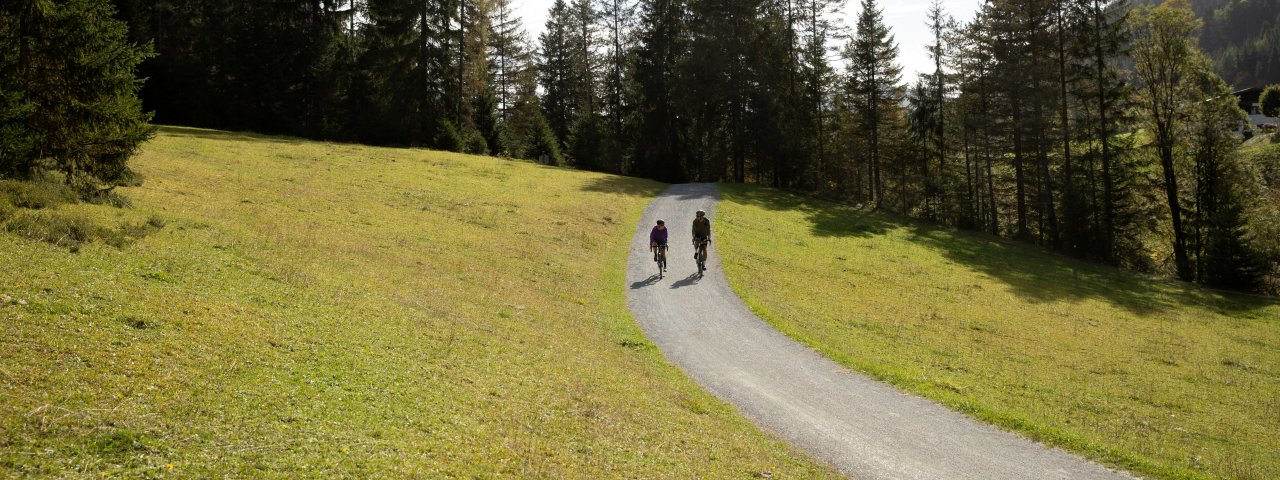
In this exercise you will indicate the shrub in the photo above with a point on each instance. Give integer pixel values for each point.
(448, 138)
(37, 194)
(541, 143)
(476, 144)
(109, 198)
(1270, 100)
(68, 231)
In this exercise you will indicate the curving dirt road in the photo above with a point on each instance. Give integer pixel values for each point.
(865, 429)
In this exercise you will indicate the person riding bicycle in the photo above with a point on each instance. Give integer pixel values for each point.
(701, 231)
(657, 238)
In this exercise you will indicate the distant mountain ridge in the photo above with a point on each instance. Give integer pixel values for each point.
(1242, 37)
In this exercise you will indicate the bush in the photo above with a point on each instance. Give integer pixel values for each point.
(69, 231)
(1270, 101)
(448, 138)
(109, 198)
(541, 142)
(36, 194)
(476, 144)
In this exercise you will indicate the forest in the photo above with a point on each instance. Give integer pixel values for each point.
(1101, 129)
(1243, 39)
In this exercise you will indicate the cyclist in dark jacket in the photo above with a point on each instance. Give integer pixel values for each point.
(701, 231)
(657, 238)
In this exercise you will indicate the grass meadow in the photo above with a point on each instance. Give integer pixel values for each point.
(1163, 378)
(276, 308)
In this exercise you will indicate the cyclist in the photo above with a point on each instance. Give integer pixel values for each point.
(701, 233)
(657, 238)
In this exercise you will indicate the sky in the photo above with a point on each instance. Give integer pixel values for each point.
(905, 19)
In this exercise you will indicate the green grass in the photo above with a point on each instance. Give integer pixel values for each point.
(302, 309)
(1159, 377)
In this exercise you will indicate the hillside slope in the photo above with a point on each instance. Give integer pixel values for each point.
(316, 310)
(1159, 377)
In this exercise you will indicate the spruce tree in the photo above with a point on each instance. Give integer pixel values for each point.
(1218, 246)
(875, 82)
(817, 23)
(555, 71)
(68, 93)
(617, 17)
(1099, 221)
(508, 55)
(663, 42)
(938, 186)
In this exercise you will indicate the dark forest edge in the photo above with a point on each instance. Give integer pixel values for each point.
(1078, 125)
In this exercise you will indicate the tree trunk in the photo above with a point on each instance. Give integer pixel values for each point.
(1181, 260)
(1019, 176)
(1104, 137)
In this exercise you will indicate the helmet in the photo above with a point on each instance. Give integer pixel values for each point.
(701, 213)
(660, 222)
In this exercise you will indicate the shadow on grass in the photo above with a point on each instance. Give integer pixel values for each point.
(206, 134)
(1034, 274)
(636, 187)
(826, 219)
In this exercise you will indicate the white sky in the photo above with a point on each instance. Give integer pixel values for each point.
(905, 19)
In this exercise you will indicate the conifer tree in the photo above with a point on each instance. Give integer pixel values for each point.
(68, 93)
(617, 17)
(938, 186)
(875, 79)
(660, 152)
(555, 70)
(508, 55)
(1222, 255)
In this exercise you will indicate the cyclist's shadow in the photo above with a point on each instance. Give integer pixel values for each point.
(692, 279)
(652, 280)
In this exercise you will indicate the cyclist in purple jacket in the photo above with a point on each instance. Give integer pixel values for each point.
(657, 238)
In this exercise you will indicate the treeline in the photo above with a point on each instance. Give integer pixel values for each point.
(1079, 125)
(1084, 126)
(449, 74)
(1092, 128)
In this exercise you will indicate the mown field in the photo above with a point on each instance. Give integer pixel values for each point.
(1163, 378)
(273, 308)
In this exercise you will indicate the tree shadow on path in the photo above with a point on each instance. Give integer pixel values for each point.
(617, 184)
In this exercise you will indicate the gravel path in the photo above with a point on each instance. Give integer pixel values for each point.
(865, 429)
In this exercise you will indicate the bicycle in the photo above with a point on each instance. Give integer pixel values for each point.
(660, 257)
(701, 255)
